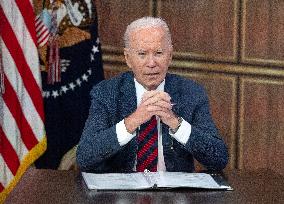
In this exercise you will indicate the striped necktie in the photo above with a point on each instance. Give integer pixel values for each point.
(147, 153)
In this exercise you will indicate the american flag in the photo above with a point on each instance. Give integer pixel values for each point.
(43, 24)
(22, 135)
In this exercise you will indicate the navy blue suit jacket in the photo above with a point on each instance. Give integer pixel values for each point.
(115, 99)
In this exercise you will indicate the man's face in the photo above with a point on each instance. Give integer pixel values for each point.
(149, 56)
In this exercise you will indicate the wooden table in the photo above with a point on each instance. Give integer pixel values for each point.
(52, 186)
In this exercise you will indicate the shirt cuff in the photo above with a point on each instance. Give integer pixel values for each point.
(183, 133)
(123, 136)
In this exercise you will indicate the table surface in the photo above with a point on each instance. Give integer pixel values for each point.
(54, 186)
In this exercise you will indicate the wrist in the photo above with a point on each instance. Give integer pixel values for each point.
(131, 124)
(176, 127)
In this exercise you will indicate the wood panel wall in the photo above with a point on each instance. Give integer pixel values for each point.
(235, 49)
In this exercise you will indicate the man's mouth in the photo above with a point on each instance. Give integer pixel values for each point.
(151, 74)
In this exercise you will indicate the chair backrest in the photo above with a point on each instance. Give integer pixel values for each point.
(68, 161)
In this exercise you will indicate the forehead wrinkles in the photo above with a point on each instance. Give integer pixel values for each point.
(148, 37)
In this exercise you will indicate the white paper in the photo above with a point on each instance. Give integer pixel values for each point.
(180, 179)
(136, 181)
(116, 181)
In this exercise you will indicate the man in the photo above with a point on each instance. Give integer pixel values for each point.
(118, 137)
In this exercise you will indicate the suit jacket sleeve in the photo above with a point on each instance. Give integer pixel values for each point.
(205, 143)
(99, 140)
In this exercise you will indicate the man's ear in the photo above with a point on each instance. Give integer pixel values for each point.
(171, 55)
(126, 56)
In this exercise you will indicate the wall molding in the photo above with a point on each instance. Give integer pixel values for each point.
(244, 57)
(117, 57)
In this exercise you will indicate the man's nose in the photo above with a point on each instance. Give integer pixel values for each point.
(151, 61)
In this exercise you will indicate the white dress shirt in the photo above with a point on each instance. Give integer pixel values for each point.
(182, 135)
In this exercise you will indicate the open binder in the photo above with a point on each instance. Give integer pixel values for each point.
(154, 180)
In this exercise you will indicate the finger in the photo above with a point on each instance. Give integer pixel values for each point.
(154, 109)
(156, 94)
(142, 114)
(164, 113)
(165, 97)
(166, 117)
(158, 102)
(157, 98)
(164, 104)
(151, 101)
(149, 94)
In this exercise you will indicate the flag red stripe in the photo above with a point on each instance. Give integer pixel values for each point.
(44, 38)
(37, 21)
(28, 14)
(15, 49)
(14, 106)
(9, 154)
(40, 27)
(43, 32)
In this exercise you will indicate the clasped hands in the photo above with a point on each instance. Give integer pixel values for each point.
(153, 103)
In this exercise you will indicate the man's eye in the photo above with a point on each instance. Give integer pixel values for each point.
(159, 53)
(141, 53)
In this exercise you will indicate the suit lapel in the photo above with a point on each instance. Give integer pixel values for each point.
(128, 101)
(172, 90)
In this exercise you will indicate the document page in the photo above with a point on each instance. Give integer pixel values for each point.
(192, 180)
(116, 181)
(147, 180)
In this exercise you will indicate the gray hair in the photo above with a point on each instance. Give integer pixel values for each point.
(146, 22)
